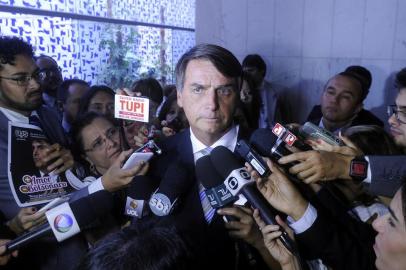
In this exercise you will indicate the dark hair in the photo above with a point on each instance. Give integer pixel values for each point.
(87, 97)
(149, 88)
(252, 110)
(63, 92)
(364, 74)
(10, 47)
(255, 61)
(156, 248)
(224, 61)
(167, 106)
(45, 56)
(169, 89)
(372, 140)
(400, 80)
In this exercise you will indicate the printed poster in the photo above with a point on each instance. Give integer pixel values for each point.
(29, 179)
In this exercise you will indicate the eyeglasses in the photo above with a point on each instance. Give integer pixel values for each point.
(24, 80)
(99, 144)
(48, 72)
(400, 115)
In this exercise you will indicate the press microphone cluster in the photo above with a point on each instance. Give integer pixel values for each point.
(238, 181)
(67, 219)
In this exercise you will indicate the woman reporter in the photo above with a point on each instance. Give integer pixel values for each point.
(100, 145)
(349, 247)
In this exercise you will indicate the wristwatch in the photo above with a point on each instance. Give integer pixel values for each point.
(359, 169)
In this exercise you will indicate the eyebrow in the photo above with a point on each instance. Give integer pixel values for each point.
(24, 73)
(225, 86)
(393, 214)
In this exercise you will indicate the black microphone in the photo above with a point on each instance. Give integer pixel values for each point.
(173, 186)
(269, 145)
(67, 219)
(217, 193)
(138, 194)
(253, 158)
(238, 180)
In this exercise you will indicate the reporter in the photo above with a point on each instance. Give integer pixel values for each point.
(349, 247)
(100, 144)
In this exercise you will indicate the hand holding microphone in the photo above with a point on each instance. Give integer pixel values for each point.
(280, 192)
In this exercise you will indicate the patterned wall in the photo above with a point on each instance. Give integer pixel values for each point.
(75, 44)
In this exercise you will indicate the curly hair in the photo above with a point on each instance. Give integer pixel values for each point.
(12, 46)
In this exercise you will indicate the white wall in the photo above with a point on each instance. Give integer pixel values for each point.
(305, 42)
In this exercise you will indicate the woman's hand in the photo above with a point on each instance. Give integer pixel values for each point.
(116, 178)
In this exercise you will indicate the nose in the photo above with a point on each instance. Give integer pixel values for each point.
(33, 84)
(378, 223)
(211, 100)
(392, 120)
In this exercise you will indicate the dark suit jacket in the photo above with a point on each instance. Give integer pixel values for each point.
(364, 117)
(339, 240)
(387, 174)
(212, 245)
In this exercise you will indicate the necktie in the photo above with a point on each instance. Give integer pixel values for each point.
(207, 209)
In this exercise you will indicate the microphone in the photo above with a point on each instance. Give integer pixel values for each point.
(217, 193)
(174, 184)
(238, 180)
(138, 195)
(269, 145)
(67, 219)
(253, 158)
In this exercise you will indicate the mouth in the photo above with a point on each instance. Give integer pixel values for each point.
(395, 132)
(35, 94)
(115, 154)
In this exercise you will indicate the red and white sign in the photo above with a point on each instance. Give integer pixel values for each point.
(278, 130)
(131, 108)
(290, 138)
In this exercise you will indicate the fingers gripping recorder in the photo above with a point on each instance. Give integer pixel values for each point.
(238, 181)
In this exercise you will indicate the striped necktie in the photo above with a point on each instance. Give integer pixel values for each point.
(207, 209)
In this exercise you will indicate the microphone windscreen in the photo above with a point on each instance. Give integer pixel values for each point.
(262, 140)
(176, 180)
(207, 174)
(91, 207)
(224, 160)
(141, 188)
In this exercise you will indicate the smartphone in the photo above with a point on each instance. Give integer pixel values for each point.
(311, 131)
(135, 158)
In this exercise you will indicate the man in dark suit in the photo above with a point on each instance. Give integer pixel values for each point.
(342, 104)
(208, 83)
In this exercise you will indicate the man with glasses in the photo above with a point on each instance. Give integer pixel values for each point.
(21, 102)
(397, 112)
(50, 79)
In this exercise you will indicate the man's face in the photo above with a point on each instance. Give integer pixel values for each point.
(52, 76)
(71, 107)
(39, 152)
(341, 99)
(208, 99)
(21, 98)
(256, 74)
(398, 129)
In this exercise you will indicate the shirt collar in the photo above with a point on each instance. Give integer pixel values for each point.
(14, 116)
(228, 140)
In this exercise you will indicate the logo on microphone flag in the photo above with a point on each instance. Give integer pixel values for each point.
(63, 223)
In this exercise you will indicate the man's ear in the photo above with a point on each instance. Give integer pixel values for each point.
(179, 98)
(359, 108)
